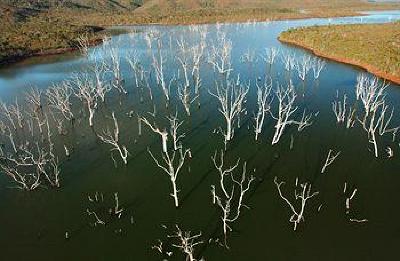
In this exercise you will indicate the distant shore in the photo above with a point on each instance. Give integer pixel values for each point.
(172, 20)
(364, 66)
(354, 45)
(102, 21)
(18, 58)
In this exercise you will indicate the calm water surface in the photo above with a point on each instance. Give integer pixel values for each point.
(33, 224)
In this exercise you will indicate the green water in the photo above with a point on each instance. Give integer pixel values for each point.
(34, 224)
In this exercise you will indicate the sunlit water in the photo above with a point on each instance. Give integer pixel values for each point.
(33, 224)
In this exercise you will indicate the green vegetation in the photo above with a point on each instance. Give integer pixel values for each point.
(375, 47)
(31, 27)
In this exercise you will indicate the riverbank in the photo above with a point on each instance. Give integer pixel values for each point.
(373, 47)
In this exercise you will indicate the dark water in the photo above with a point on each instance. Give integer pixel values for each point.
(33, 224)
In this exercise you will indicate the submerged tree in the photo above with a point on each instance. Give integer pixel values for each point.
(231, 202)
(163, 133)
(174, 130)
(59, 99)
(286, 108)
(317, 66)
(86, 91)
(342, 112)
(220, 55)
(304, 195)
(270, 55)
(303, 66)
(376, 117)
(32, 165)
(112, 138)
(186, 242)
(171, 165)
(231, 98)
(264, 101)
(159, 61)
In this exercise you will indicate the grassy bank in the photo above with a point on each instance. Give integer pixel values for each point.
(374, 47)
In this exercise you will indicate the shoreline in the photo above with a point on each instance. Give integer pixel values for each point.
(240, 21)
(50, 52)
(369, 68)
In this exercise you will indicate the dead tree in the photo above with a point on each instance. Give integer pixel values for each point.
(339, 108)
(34, 98)
(118, 82)
(134, 63)
(34, 108)
(231, 206)
(174, 130)
(30, 165)
(342, 112)
(220, 55)
(375, 118)
(14, 114)
(158, 65)
(329, 159)
(349, 197)
(103, 209)
(264, 101)
(24, 181)
(171, 166)
(249, 57)
(189, 65)
(304, 195)
(270, 55)
(6, 112)
(303, 66)
(141, 77)
(37, 117)
(83, 44)
(288, 61)
(59, 98)
(385, 120)
(186, 242)
(152, 35)
(371, 94)
(163, 133)
(317, 66)
(286, 107)
(112, 138)
(99, 71)
(86, 91)
(183, 60)
(231, 99)
(184, 94)
(117, 210)
(6, 131)
(378, 123)
(197, 56)
(223, 172)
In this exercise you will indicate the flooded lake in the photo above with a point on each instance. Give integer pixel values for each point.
(54, 223)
